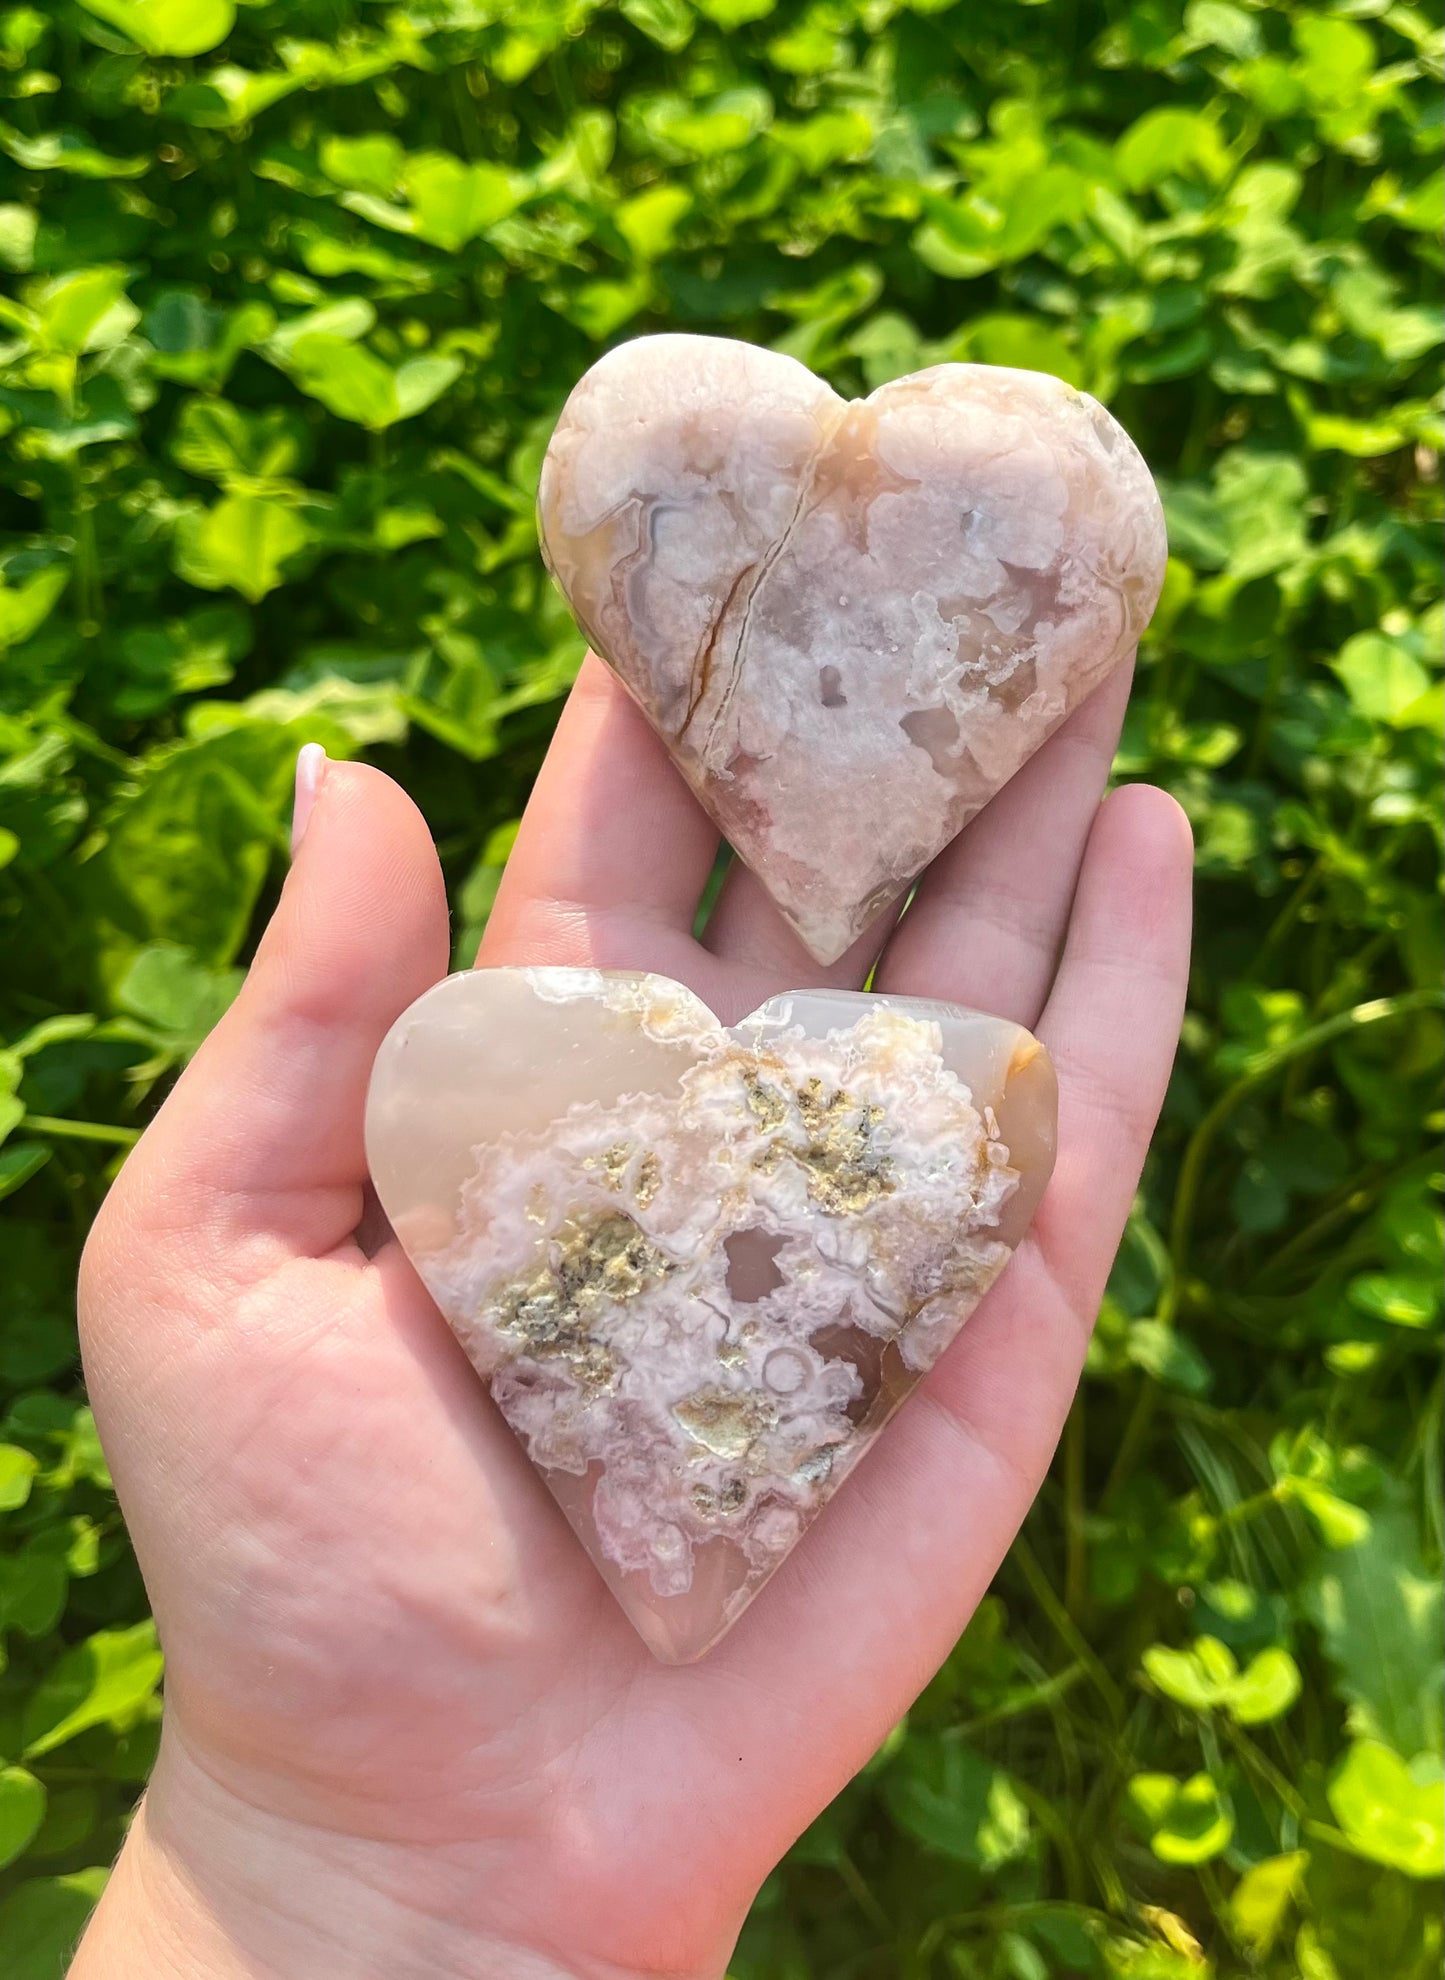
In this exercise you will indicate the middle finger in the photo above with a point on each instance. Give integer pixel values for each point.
(987, 922)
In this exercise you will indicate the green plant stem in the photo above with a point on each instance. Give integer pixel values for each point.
(862, 1894)
(1288, 915)
(1065, 1628)
(1039, 1697)
(1136, 1431)
(1379, 1010)
(1076, 1568)
(120, 1137)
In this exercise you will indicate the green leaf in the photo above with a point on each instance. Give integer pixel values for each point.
(1023, 344)
(371, 164)
(65, 151)
(1064, 1932)
(33, 1589)
(18, 227)
(1340, 1524)
(1392, 1812)
(221, 441)
(1260, 1902)
(347, 378)
(713, 128)
(452, 202)
(1365, 299)
(229, 95)
(178, 998)
(1265, 1689)
(729, 14)
(1186, 1821)
(17, 1473)
(26, 604)
(649, 222)
(1199, 1678)
(87, 311)
(197, 344)
(420, 382)
(1206, 1678)
(71, 1816)
(12, 1107)
(1399, 1299)
(19, 1161)
(1379, 1613)
(185, 859)
(1221, 25)
(1162, 143)
(945, 1796)
(353, 383)
(667, 22)
(1168, 1356)
(988, 228)
(349, 318)
(1381, 677)
(833, 137)
(41, 1920)
(243, 542)
(104, 1681)
(180, 657)
(22, 1809)
(168, 27)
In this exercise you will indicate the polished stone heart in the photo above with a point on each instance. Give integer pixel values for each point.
(850, 621)
(700, 1268)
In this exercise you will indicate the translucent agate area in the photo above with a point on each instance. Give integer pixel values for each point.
(700, 1268)
(850, 621)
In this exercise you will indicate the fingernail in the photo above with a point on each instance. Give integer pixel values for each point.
(310, 769)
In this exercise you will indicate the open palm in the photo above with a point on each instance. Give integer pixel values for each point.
(407, 1729)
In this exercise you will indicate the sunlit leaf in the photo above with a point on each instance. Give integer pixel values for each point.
(243, 542)
(22, 1809)
(105, 1679)
(1260, 1902)
(168, 27)
(1379, 1612)
(1186, 1821)
(1392, 1812)
(26, 602)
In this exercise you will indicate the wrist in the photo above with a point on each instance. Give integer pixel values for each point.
(209, 1888)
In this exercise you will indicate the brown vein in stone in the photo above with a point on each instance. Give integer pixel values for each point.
(762, 569)
(702, 666)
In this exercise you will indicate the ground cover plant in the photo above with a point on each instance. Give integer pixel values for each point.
(292, 296)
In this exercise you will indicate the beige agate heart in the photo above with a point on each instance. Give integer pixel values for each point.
(700, 1268)
(850, 621)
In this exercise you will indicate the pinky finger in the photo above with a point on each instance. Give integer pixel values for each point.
(1112, 1026)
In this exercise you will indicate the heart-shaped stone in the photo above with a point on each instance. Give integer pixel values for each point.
(700, 1268)
(850, 621)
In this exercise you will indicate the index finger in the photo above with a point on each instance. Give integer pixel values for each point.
(613, 851)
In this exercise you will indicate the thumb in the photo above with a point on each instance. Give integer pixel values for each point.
(259, 1147)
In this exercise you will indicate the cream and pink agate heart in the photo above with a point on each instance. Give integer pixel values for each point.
(850, 621)
(700, 1268)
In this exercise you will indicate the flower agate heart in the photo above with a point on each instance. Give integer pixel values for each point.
(850, 621)
(700, 1268)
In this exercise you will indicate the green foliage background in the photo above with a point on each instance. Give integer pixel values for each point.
(295, 294)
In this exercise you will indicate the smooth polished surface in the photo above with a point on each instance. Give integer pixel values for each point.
(850, 621)
(700, 1268)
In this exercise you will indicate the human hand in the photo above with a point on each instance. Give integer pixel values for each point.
(408, 1732)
